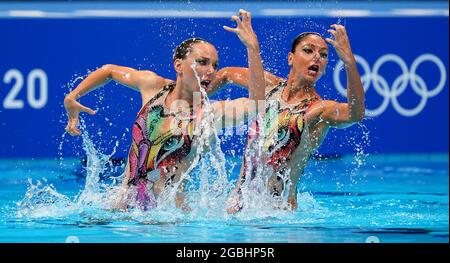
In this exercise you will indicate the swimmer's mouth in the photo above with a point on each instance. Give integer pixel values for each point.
(313, 69)
(205, 84)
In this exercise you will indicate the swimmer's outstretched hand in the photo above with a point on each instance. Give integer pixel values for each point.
(73, 109)
(244, 29)
(341, 43)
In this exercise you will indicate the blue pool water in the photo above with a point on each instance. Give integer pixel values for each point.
(389, 198)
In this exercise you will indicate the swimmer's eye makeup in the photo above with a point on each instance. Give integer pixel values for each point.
(307, 50)
(205, 61)
(201, 61)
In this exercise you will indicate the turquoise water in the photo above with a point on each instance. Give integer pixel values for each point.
(386, 198)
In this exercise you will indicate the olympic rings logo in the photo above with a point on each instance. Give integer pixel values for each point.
(399, 85)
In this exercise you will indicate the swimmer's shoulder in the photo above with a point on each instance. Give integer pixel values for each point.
(273, 83)
(149, 80)
(150, 83)
(272, 80)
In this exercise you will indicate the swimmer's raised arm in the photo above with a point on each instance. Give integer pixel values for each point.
(342, 115)
(244, 30)
(144, 81)
(240, 108)
(254, 77)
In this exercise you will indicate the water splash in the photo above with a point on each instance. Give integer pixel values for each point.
(60, 147)
(93, 203)
(42, 200)
(96, 162)
(360, 157)
(209, 198)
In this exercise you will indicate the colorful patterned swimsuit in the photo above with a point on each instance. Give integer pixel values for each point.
(284, 126)
(157, 147)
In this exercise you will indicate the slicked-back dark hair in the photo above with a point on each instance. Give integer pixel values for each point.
(299, 38)
(185, 47)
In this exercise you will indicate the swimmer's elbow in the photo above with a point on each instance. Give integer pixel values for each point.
(352, 120)
(107, 66)
(107, 69)
(232, 74)
(357, 114)
(222, 72)
(110, 68)
(357, 117)
(362, 116)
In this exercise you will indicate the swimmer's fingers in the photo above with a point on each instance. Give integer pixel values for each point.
(73, 109)
(331, 41)
(341, 43)
(237, 20)
(229, 29)
(340, 35)
(87, 110)
(339, 32)
(338, 28)
(246, 16)
(67, 127)
(236, 29)
(244, 29)
(333, 32)
(72, 127)
(343, 51)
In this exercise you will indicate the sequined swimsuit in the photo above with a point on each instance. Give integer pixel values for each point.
(160, 141)
(284, 125)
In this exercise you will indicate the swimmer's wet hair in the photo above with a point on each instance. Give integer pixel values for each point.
(299, 38)
(183, 49)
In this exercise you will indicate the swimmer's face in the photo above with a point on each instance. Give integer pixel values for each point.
(310, 58)
(199, 65)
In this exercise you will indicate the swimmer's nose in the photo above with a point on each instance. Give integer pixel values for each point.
(210, 70)
(317, 57)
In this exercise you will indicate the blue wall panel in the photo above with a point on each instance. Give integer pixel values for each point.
(65, 49)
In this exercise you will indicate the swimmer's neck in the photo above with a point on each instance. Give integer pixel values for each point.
(297, 89)
(181, 93)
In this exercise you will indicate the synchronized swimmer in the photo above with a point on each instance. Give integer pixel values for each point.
(296, 118)
(292, 126)
(160, 153)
